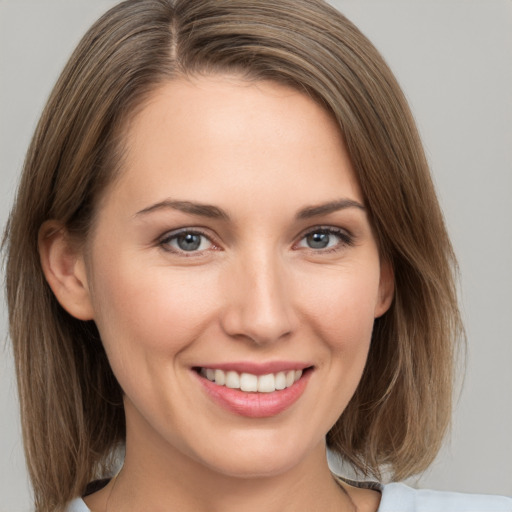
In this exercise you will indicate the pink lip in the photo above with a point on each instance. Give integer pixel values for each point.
(254, 405)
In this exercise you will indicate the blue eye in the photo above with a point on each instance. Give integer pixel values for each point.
(325, 238)
(186, 241)
(319, 240)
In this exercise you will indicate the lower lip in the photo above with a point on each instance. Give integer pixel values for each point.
(255, 405)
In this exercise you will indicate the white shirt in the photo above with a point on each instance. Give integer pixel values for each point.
(397, 497)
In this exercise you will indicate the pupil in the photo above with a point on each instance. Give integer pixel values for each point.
(189, 242)
(318, 240)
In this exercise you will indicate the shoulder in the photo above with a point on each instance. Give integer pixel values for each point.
(397, 497)
(77, 505)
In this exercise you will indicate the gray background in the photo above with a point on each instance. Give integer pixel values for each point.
(454, 61)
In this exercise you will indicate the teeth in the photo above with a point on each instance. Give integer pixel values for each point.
(266, 383)
(248, 382)
(220, 377)
(252, 383)
(232, 380)
(280, 380)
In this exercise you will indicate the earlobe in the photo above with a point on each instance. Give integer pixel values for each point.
(64, 268)
(386, 288)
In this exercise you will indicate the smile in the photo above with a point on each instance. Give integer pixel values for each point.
(252, 391)
(251, 383)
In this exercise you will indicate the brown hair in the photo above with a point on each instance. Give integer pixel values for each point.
(71, 404)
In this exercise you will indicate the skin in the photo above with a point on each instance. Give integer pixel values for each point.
(254, 291)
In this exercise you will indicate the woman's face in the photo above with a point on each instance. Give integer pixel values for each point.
(235, 246)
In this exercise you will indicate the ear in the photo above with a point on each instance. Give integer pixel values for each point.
(386, 288)
(64, 268)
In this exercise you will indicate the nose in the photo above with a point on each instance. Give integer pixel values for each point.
(257, 302)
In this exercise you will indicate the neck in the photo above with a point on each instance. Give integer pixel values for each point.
(188, 486)
(166, 481)
(159, 476)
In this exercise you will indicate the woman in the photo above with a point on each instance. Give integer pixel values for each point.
(228, 248)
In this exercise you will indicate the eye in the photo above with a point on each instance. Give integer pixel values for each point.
(325, 238)
(186, 241)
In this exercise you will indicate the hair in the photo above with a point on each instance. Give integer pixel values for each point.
(71, 403)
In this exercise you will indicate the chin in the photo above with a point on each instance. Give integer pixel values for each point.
(255, 467)
(261, 458)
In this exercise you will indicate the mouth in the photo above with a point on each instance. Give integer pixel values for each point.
(251, 383)
(254, 395)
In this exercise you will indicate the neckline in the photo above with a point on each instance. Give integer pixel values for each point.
(97, 485)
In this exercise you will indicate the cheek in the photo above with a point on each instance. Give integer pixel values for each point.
(341, 306)
(341, 316)
(148, 312)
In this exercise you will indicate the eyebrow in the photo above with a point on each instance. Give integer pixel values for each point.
(214, 212)
(330, 207)
(200, 209)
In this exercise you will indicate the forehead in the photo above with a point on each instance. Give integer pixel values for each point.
(193, 135)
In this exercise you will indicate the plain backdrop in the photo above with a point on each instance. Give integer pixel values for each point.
(454, 60)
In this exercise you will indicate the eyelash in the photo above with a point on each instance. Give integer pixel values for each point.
(165, 241)
(345, 240)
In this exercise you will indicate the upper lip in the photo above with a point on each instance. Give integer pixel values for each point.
(257, 368)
